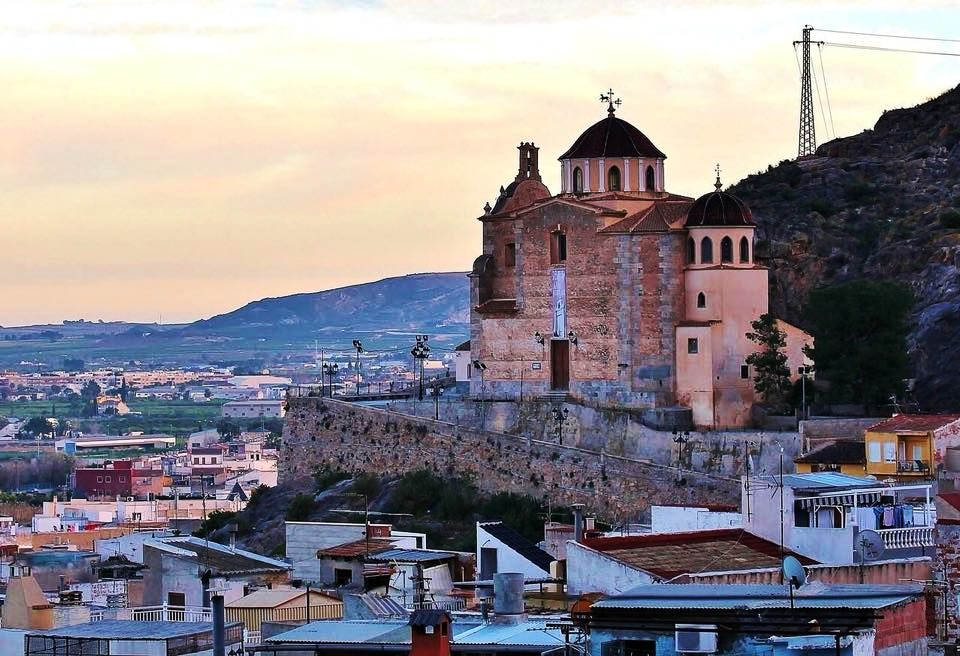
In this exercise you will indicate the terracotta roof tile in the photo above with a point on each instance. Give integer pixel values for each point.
(671, 554)
(913, 423)
(356, 549)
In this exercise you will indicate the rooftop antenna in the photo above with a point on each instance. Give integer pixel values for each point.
(869, 546)
(793, 574)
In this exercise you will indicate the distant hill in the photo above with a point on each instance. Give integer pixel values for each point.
(416, 302)
(883, 204)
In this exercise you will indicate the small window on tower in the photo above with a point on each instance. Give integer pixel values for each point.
(744, 371)
(701, 300)
(558, 248)
(693, 345)
(651, 179)
(744, 250)
(613, 179)
(510, 255)
(726, 250)
(706, 251)
(691, 252)
(578, 180)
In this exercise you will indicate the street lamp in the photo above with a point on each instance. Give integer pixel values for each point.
(329, 370)
(559, 418)
(680, 438)
(436, 390)
(420, 351)
(803, 371)
(357, 345)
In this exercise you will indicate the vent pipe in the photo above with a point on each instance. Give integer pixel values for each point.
(219, 627)
(577, 522)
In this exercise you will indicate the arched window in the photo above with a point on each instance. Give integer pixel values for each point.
(613, 179)
(744, 250)
(691, 251)
(701, 300)
(578, 180)
(706, 251)
(726, 250)
(651, 179)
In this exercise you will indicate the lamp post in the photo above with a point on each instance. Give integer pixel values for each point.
(436, 390)
(357, 345)
(420, 351)
(329, 370)
(680, 438)
(559, 418)
(803, 371)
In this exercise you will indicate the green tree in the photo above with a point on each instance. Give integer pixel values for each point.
(37, 426)
(73, 365)
(89, 393)
(771, 375)
(860, 330)
(228, 430)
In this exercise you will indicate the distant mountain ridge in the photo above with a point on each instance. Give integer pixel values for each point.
(420, 301)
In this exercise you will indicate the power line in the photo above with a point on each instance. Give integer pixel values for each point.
(826, 91)
(891, 36)
(916, 52)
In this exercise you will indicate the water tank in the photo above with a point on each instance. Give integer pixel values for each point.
(952, 459)
(508, 593)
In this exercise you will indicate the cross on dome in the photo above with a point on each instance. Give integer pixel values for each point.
(718, 185)
(608, 98)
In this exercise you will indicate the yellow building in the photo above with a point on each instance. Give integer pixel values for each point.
(843, 456)
(909, 447)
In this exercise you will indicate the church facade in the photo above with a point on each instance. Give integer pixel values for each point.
(615, 293)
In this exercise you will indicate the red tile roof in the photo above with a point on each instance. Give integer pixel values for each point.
(356, 549)
(671, 554)
(913, 423)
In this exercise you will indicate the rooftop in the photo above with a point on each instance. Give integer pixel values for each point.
(411, 556)
(668, 555)
(357, 548)
(841, 452)
(913, 423)
(219, 559)
(130, 629)
(272, 598)
(520, 544)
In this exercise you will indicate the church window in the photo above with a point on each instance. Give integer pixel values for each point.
(744, 371)
(578, 180)
(691, 251)
(558, 248)
(613, 179)
(706, 251)
(693, 345)
(701, 300)
(651, 179)
(510, 255)
(744, 250)
(726, 250)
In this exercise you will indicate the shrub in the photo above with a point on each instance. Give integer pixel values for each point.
(301, 508)
(950, 219)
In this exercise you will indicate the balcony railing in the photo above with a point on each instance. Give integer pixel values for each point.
(912, 537)
(913, 467)
(167, 613)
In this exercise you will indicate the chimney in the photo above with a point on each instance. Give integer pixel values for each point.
(529, 167)
(26, 607)
(577, 522)
(429, 632)
(508, 597)
(219, 627)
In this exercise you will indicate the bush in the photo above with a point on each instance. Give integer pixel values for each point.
(327, 477)
(950, 219)
(300, 509)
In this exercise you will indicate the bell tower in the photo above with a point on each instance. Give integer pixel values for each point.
(529, 167)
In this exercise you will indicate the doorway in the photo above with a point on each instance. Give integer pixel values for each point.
(559, 364)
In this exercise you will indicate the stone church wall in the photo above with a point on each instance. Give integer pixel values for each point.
(635, 468)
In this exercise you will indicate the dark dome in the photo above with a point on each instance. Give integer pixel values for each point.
(718, 209)
(612, 137)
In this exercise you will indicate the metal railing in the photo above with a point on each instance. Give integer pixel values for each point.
(446, 604)
(166, 613)
(907, 538)
(913, 467)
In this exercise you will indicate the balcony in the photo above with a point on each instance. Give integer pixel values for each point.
(918, 467)
(912, 537)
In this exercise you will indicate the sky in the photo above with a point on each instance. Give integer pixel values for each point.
(175, 160)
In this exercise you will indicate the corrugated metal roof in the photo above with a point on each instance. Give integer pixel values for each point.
(345, 632)
(130, 629)
(822, 481)
(533, 633)
(410, 556)
(747, 596)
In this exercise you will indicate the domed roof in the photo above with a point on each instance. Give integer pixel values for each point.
(718, 209)
(612, 137)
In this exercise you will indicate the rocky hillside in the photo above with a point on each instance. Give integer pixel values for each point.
(883, 204)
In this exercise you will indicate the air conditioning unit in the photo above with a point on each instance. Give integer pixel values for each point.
(696, 638)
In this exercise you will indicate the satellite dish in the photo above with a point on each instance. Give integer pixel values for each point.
(793, 572)
(869, 545)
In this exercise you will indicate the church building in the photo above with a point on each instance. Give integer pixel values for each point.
(616, 293)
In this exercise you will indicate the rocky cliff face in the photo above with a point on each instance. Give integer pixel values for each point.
(883, 204)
